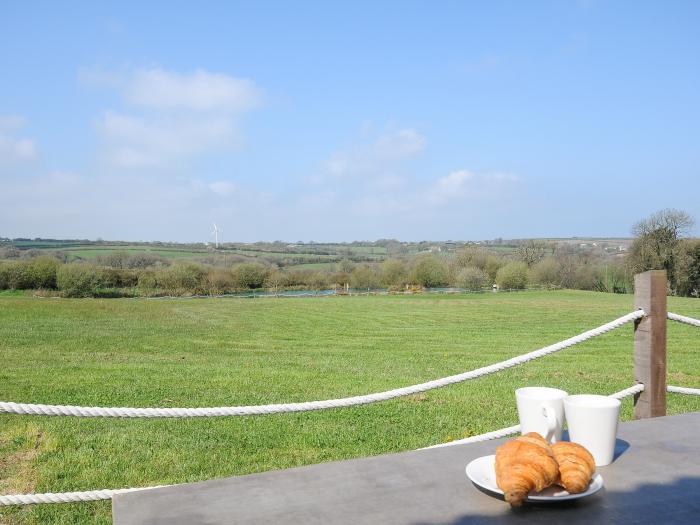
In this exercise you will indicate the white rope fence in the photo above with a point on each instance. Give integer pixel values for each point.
(683, 390)
(683, 319)
(634, 389)
(693, 322)
(67, 497)
(95, 495)
(61, 410)
(508, 431)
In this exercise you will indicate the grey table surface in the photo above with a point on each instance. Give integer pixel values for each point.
(655, 478)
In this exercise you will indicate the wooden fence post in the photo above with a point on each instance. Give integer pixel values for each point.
(650, 344)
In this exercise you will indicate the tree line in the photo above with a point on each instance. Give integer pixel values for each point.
(660, 242)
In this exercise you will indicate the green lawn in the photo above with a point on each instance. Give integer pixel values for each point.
(209, 352)
(313, 266)
(90, 253)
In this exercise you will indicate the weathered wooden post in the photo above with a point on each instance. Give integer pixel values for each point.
(650, 344)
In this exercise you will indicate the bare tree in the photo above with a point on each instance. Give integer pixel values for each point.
(533, 251)
(658, 243)
(671, 223)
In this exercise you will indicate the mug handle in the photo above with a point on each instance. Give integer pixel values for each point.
(551, 422)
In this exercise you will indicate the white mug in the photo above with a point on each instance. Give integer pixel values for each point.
(593, 423)
(541, 410)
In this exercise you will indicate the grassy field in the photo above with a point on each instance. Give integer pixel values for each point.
(315, 266)
(209, 352)
(91, 253)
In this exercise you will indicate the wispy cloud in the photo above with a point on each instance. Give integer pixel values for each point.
(223, 187)
(67, 204)
(169, 117)
(198, 91)
(385, 178)
(465, 184)
(152, 141)
(15, 151)
(377, 159)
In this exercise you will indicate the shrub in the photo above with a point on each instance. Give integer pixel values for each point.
(4, 276)
(318, 281)
(145, 260)
(472, 278)
(393, 273)
(363, 277)
(492, 265)
(513, 276)
(182, 277)
(430, 272)
(114, 259)
(294, 278)
(147, 280)
(16, 276)
(9, 252)
(275, 280)
(42, 272)
(27, 274)
(546, 272)
(218, 281)
(474, 256)
(339, 279)
(586, 277)
(249, 275)
(78, 280)
(117, 278)
(688, 269)
(345, 265)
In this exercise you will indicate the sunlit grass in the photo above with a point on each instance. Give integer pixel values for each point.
(213, 352)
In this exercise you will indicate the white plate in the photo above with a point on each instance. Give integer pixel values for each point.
(482, 472)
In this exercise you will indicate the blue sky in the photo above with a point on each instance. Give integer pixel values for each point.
(321, 121)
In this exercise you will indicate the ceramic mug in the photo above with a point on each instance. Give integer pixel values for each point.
(592, 423)
(541, 410)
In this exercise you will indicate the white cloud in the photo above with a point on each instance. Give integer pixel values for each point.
(378, 159)
(453, 182)
(198, 91)
(399, 145)
(171, 117)
(66, 204)
(385, 181)
(463, 184)
(134, 142)
(223, 187)
(13, 150)
(161, 90)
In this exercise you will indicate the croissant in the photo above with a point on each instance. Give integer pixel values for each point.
(576, 466)
(524, 464)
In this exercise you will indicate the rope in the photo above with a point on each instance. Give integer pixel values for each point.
(683, 319)
(67, 497)
(61, 410)
(94, 495)
(503, 432)
(635, 389)
(683, 390)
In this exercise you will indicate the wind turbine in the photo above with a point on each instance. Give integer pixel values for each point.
(215, 233)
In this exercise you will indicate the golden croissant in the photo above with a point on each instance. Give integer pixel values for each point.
(524, 464)
(576, 466)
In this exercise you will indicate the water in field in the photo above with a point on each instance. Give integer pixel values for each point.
(321, 293)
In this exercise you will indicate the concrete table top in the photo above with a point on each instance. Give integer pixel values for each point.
(655, 478)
